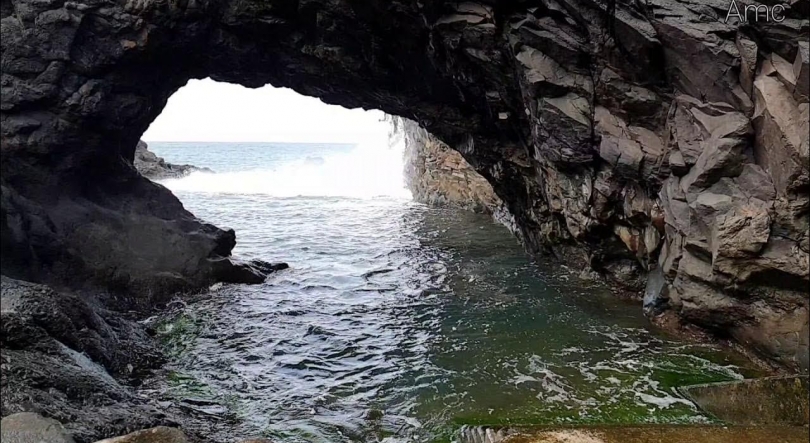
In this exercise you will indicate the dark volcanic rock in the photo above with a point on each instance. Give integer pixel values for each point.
(155, 168)
(652, 134)
(65, 357)
(252, 272)
(159, 434)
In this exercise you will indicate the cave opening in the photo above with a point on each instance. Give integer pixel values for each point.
(217, 146)
(386, 301)
(398, 320)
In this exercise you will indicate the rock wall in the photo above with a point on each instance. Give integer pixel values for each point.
(439, 176)
(654, 138)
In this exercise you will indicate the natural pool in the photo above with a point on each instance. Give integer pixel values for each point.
(397, 322)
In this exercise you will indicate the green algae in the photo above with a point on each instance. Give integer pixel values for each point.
(667, 371)
(177, 333)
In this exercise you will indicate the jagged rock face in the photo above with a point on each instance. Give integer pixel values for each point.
(439, 176)
(156, 168)
(621, 135)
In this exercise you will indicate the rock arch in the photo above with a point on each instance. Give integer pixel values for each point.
(671, 143)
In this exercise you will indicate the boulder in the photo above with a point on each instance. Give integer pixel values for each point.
(29, 427)
(70, 359)
(655, 293)
(250, 272)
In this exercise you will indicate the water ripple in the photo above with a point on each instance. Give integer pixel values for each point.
(399, 320)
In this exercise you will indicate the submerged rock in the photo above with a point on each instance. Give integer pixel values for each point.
(639, 434)
(762, 401)
(160, 434)
(156, 168)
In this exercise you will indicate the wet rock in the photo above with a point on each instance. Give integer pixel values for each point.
(764, 401)
(482, 434)
(28, 427)
(155, 168)
(251, 272)
(160, 434)
(67, 358)
(653, 433)
(655, 297)
(439, 176)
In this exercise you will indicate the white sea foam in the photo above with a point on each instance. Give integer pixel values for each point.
(373, 168)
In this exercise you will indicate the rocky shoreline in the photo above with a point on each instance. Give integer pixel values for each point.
(156, 168)
(637, 140)
(652, 142)
(68, 357)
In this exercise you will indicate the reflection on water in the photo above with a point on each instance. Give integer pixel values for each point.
(397, 322)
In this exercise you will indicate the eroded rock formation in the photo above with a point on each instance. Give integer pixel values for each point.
(439, 176)
(156, 168)
(628, 136)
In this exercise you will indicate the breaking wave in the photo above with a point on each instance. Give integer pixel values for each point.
(371, 169)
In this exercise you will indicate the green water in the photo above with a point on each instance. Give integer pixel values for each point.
(396, 322)
(407, 337)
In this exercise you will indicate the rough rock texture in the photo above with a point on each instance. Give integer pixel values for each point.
(439, 176)
(28, 427)
(156, 168)
(622, 135)
(65, 357)
(643, 434)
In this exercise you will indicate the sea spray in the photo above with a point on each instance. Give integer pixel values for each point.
(372, 168)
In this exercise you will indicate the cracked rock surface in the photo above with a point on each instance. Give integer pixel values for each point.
(635, 137)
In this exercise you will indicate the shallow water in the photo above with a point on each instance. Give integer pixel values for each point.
(397, 322)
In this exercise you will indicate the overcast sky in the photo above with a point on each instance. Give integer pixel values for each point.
(205, 110)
